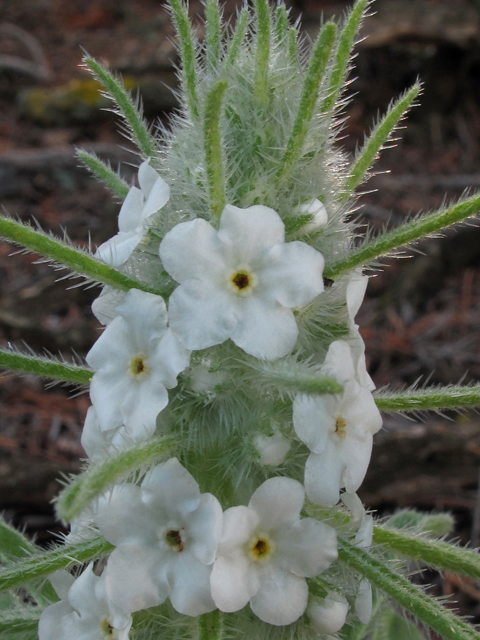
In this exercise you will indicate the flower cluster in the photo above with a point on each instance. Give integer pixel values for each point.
(241, 288)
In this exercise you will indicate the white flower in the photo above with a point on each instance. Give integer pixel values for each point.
(272, 449)
(363, 601)
(138, 206)
(337, 429)
(317, 210)
(136, 359)
(356, 288)
(266, 552)
(84, 610)
(166, 535)
(104, 307)
(240, 282)
(327, 615)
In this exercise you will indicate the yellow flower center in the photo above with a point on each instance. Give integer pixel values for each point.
(260, 547)
(340, 425)
(138, 366)
(108, 631)
(174, 540)
(242, 281)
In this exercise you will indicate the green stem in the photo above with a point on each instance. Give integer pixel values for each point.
(282, 23)
(345, 45)
(214, 33)
(73, 258)
(237, 37)
(262, 12)
(98, 477)
(40, 565)
(378, 137)
(141, 135)
(213, 147)
(187, 54)
(44, 367)
(404, 235)
(406, 594)
(104, 173)
(434, 553)
(294, 377)
(454, 397)
(210, 626)
(293, 45)
(315, 73)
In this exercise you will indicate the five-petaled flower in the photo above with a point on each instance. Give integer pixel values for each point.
(136, 359)
(166, 535)
(137, 208)
(338, 430)
(240, 282)
(266, 552)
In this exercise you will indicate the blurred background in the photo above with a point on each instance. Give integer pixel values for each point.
(421, 317)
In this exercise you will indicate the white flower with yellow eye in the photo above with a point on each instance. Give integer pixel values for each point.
(338, 430)
(84, 611)
(136, 359)
(137, 208)
(266, 551)
(166, 535)
(240, 282)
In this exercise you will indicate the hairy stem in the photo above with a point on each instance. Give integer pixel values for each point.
(295, 378)
(345, 45)
(409, 596)
(104, 173)
(39, 565)
(262, 12)
(210, 626)
(126, 105)
(454, 397)
(315, 73)
(44, 367)
(187, 54)
(237, 38)
(434, 553)
(213, 147)
(282, 24)
(292, 45)
(404, 235)
(378, 137)
(100, 476)
(214, 32)
(73, 258)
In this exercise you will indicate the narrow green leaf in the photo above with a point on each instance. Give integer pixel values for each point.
(293, 44)
(404, 235)
(378, 137)
(139, 130)
(104, 173)
(238, 37)
(282, 24)
(315, 73)
(214, 32)
(434, 553)
(345, 46)
(75, 259)
(100, 476)
(409, 596)
(262, 14)
(212, 140)
(40, 565)
(45, 368)
(435, 399)
(187, 53)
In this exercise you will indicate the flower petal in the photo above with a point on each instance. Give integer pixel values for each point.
(118, 249)
(170, 487)
(356, 455)
(190, 587)
(328, 615)
(191, 250)
(157, 198)
(61, 581)
(169, 359)
(107, 392)
(112, 349)
(142, 403)
(130, 216)
(57, 622)
(293, 273)
(82, 595)
(122, 517)
(307, 547)
(363, 602)
(264, 330)
(313, 420)
(130, 579)
(281, 599)
(104, 307)
(205, 529)
(238, 526)
(248, 233)
(147, 176)
(146, 316)
(201, 315)
(233, 581)
(322, 477)
(339, 362)
(276, 501)
(356, 289)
